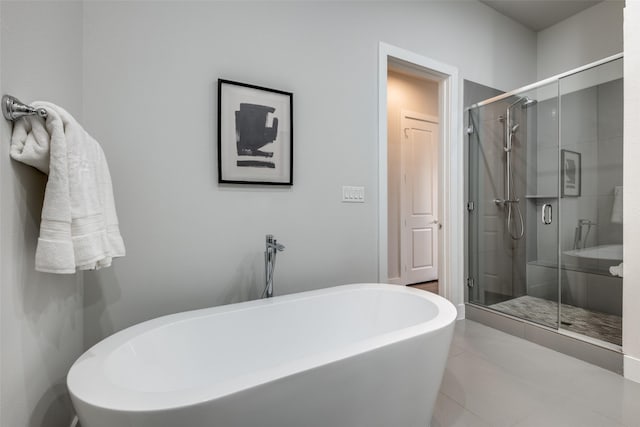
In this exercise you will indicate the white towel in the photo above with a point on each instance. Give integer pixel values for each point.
(616, 270)
(616, 212)
(79, 226)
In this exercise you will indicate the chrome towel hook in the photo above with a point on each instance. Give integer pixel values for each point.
(13, 109)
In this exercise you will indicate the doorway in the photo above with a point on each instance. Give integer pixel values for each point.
(447, 209)
(413, 164)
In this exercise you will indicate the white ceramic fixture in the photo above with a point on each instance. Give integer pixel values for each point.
(353, 355)
(604, 252)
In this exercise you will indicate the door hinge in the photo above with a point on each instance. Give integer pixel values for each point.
(471, 206)
(470, 282)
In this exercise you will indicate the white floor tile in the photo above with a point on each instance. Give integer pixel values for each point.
(486, 390)
(568, 414)
(448, 413)
(507, 381)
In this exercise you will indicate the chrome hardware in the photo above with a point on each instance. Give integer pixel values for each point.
(271, 249)
(13, 109)
(578, 241)
(586, 222)
(547, 212)
(470, 130)
(470, 282)
(471, 206)
(502, 202)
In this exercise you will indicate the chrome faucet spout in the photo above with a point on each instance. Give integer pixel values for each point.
(272, 247)
(276, 246)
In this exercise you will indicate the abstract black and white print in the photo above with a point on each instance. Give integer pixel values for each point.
(571, 162)
(255, 134)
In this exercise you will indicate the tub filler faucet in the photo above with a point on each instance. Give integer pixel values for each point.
(270, 252)
(578, 241)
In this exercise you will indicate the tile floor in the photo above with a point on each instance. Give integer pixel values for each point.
(602, 326)
(495, 379)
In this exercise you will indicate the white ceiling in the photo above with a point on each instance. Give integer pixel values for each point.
(540, 14)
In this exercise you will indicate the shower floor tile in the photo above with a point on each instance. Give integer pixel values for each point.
(602, 326)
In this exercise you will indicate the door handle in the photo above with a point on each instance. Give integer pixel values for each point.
(547, 214)
(435, 221)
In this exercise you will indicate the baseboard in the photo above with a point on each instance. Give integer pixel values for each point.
(632, 368)
(461, 311)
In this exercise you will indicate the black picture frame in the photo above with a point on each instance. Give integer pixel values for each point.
(255, 134)
(571, 162)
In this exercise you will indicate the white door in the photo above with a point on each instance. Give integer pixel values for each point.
(419, 206)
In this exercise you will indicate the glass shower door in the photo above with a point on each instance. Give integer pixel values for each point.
(513, 205)
(591, 109)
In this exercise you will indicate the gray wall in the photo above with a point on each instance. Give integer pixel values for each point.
(588, 36)
(192, 243)
(41, 314)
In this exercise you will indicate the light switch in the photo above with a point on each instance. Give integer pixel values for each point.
(351, 194)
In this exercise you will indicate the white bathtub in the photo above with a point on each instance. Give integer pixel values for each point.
(355, 355)
(603, 252)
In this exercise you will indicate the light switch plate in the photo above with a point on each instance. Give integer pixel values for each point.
(351, 194)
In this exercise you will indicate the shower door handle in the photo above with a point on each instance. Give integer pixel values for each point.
(547, 212)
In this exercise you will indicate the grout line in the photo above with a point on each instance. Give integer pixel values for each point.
(465, 408)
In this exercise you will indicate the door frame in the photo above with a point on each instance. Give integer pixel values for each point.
(404, 235)
(450, 168)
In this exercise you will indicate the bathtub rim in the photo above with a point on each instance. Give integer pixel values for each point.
(592, 253)
(115, 398)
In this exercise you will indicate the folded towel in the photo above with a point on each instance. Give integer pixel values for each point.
(79, 226)
(616, 212)
(616, 270)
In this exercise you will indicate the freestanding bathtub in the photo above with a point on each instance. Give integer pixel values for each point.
(365, 355)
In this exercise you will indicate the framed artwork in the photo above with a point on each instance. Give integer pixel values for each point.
(571, 173)
(255, 134)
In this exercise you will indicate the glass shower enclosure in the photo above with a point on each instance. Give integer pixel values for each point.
(545, 203)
